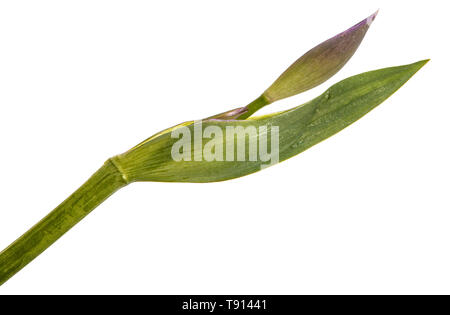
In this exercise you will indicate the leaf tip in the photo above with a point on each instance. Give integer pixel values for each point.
(422, 63)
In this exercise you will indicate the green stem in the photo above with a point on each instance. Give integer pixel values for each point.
(102, 184)
(254, 106)
(241, 113)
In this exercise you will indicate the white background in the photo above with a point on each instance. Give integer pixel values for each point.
(366, 211)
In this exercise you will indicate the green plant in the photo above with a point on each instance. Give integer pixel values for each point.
(297, 129)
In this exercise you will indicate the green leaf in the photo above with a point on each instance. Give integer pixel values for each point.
(299, 129)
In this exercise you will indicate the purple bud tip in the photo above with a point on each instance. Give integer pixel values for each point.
(370, 19)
